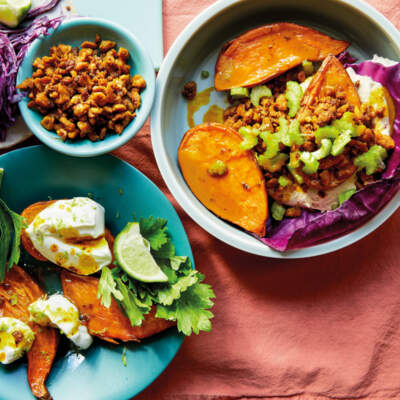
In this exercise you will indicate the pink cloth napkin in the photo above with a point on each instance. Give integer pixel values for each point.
(315, 329)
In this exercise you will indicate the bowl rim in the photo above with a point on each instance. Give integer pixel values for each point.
(100, 147)
(193, 207)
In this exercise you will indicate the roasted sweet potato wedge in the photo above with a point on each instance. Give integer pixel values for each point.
(16, 293)
(109, 324)
(30, 213)
(331, 77)
(391, 108)
(266, 52)
(239, 194)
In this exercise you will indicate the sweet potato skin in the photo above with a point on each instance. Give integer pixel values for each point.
(239, 196)
(16, 293)
(109, 324)
(30, 213)
(268, 51)
(331, 76)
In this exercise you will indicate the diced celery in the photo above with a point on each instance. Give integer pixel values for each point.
(294, 132)
(219, 168)
(272, 143)
(311, 164)
(277, 211)
(272, 164)
(324, 150)
(326, 132)
(294, 159)
(294, 93)
(284, 181)
(346, 124)
(372, 160)
(340, 143)
(239, 92)
(289, 134)
(258, 92)
(296, 175)
(345, 195)
(308, 67)
(283, 132)
(250, 137)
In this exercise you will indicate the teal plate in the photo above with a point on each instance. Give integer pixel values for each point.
(35, 173)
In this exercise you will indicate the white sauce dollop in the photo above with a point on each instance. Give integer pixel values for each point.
(57, 311)
(70, 233)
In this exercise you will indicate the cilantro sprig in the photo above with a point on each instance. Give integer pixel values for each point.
(184, 299)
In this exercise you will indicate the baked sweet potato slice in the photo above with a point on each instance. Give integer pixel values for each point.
(109, 324)
(239, 195)
(30, 213)
(268, 51)
(16, 293)
(331, 77)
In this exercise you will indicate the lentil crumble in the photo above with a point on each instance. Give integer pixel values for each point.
(332, 170)
(84, 92)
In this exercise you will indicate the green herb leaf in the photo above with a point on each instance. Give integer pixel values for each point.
(10, 235)
(15, 254)
(123, 356)
(154, 230)
(191, 310)
(129, 304)
(107, 286)
(167, 294)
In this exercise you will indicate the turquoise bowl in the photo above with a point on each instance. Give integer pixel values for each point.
(196, 49)
(74, 32)
(97, 374)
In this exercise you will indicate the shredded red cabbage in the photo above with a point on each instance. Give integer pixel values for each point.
(13, 47)
(346, 58)
(42, 9)
(314, 227)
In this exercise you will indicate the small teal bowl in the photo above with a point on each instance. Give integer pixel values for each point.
(74, 32)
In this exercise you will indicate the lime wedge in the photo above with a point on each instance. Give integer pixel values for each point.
(132, 252)
(12, 12)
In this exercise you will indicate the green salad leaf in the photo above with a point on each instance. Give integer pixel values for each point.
(11, 225)
(184, 298)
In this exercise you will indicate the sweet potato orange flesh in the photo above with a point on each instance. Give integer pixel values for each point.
(239, 196)
(109, 324)
(16, 293)
(331, 77)
(266, 52)
(30, 213)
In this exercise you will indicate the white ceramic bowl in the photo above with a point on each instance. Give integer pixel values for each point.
(196, 49)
